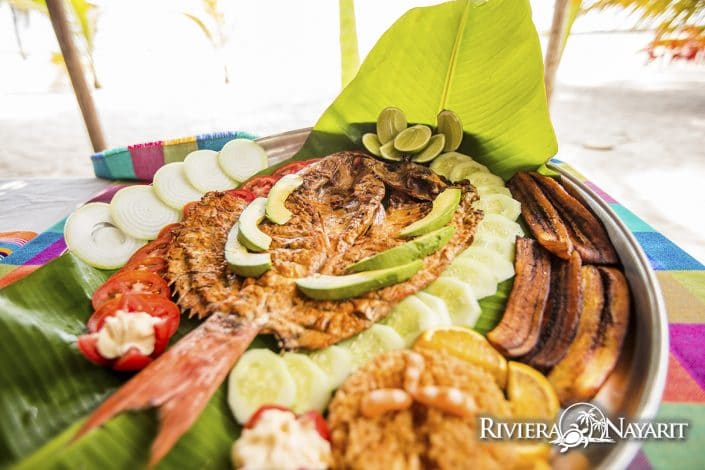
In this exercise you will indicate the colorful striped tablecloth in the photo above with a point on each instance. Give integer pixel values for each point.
(682, 279)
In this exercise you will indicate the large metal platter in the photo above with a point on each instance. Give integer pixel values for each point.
(635, 388)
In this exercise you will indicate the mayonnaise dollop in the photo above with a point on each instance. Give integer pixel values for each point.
(123, 331)
(281, 441)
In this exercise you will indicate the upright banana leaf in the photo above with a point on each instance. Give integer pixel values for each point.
(480, 59)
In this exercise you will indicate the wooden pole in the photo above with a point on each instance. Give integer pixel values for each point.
(72, 59)
(553, 49)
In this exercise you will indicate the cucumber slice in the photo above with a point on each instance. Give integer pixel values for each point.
(484, 178)
(172, 187)
(249, 234)
(405, 253)
(436, 304)
(370, 343)
(325, 287)
(500, 204)
(138, 212)
(275, 209)
(505, 248)
(313, 388)
(445, 162)
(92, 236)
(479, 277)
(410, 318)
(242, 158)
(260, 377)
(461, 171)
(501, 266)
(242, 262)
(496, 226)
(486, 190)
(204, 173)
(444, 206)
(459, 298)
(336, 362)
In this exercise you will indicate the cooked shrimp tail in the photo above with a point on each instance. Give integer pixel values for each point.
(181, 381)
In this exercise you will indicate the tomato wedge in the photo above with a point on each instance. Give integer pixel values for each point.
(244, 194)
(260, 185)
(154, 305)
(293, 167)
(315, 417)
(87, 344)
(130, 281)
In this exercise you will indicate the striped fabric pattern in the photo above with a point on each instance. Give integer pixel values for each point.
(682, 280)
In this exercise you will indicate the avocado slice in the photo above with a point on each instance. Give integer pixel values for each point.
(406, 252)
(444, 207)
(325, 287)
(242, 262)
(275, 209)
(249, 234)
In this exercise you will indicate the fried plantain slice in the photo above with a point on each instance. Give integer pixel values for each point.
(540, 215)
(518, 331)
(561, 316)
(586, 232)
(603, 324)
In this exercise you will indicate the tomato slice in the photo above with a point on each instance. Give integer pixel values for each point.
(157, 247)
(254, 419)
(248, 196)
(87, 344)
(293, 167)
(319, 423)
(131, 360)
(154, 305)
(167, 231)
(131, 281)
(260, 185)
(153, 264)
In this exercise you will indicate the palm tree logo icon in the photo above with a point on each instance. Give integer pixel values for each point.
(582, 424)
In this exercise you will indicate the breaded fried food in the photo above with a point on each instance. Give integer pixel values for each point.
(419, 436)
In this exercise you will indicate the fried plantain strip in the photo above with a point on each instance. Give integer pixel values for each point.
(594, 352)
(610, 335)
(561, 316)
(540, 215)
(587, 234)
(518, 331)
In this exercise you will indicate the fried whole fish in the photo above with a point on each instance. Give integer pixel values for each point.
(349, 206)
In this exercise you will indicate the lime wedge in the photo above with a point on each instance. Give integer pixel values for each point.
(449, 125)
(371, 142)
(390, 122)
(432, 150)
(275, 209)
(412, 140)
(388, 152)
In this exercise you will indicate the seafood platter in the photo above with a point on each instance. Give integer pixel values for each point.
(364, 309)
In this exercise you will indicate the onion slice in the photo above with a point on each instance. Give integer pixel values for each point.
(203, 172)
(242, 158)
(93, 237)
(172, 187)
(138, 212)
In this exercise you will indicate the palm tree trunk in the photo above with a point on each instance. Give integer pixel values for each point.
(553, 50)
(18, 36)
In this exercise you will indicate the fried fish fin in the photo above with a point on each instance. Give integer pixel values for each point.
(540, 215)
(181, 381)
(518, 331)
(586, 232)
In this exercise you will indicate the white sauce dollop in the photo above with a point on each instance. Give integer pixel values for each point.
(124, 331)
(281, 441)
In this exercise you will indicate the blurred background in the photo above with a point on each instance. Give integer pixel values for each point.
(628, 102)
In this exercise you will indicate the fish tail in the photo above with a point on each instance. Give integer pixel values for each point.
(181, 381)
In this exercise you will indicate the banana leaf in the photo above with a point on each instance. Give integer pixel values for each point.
(480, 59)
